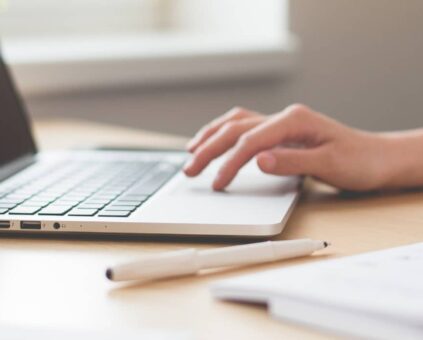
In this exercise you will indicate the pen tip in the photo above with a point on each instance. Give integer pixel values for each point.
(109, 274)
(326, 244)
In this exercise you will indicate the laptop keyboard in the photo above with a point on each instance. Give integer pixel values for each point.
(86, 189)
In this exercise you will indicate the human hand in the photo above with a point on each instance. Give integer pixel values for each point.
(296, 141)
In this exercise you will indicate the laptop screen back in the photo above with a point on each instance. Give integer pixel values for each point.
(15, 135)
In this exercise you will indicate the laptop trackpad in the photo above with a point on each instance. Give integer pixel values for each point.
(252, 198)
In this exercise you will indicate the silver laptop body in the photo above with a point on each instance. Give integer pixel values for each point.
(126, 191)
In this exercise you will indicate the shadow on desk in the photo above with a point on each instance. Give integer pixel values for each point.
(90, 237)
(321, 195)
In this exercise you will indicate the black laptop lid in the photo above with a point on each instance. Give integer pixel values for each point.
(15, 135)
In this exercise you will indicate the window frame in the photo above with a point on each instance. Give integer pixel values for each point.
(175, 57)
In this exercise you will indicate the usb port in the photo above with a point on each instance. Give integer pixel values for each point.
(30, 225)
(4, 224)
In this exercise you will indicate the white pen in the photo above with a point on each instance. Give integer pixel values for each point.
(190, 261)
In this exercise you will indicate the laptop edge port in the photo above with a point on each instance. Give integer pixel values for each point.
(4, 224)
(30, 225)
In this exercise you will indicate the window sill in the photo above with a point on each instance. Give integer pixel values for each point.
(44, 67)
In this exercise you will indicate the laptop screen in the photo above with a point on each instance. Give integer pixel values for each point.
(15, 135)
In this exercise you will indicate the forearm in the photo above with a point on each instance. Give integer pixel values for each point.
(404, 152)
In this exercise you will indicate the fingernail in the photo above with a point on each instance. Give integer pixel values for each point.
(267, 161)
(190, 144)
(188, 164)
(217, 185)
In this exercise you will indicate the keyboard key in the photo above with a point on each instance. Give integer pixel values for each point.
(109, 189)
(55, 210)
(98, 201)
(126, 202)
(7, 200)
(91, 205)
(34, 205)
(40, 199)
(121, 207)
(18, 197)
(103, 197)
(23, 210)
(114, 213)
(37, 202)
(110, 192)
(7, 205)
(65, 202)
(133, 197)
(74, 197)
(68, 199)
(56, 192)
(83, 192)
(45, 195)
(83, 212)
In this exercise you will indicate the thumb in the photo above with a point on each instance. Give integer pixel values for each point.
(289, 161)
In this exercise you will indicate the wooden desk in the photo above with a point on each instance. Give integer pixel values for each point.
(60, 282)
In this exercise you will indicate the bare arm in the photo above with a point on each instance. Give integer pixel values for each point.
(299, 141)
(405, 155)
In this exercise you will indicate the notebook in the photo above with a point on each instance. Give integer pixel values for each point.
(14, 332)
(377, 295)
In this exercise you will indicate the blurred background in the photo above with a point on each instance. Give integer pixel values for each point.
(172, 65)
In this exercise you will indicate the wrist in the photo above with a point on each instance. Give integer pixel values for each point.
(402, 159)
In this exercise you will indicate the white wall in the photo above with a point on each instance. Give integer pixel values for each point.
(361, 62)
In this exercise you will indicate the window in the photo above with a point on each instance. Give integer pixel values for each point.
(35, 18)
(159, 32)
(23, 18)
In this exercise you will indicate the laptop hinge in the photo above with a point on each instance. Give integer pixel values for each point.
(15, 166)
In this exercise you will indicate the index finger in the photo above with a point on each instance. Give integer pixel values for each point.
(281, 128)
(210, 129)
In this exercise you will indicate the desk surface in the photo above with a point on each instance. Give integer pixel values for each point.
(60, 282)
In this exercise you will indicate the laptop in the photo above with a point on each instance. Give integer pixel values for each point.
(107, 191)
